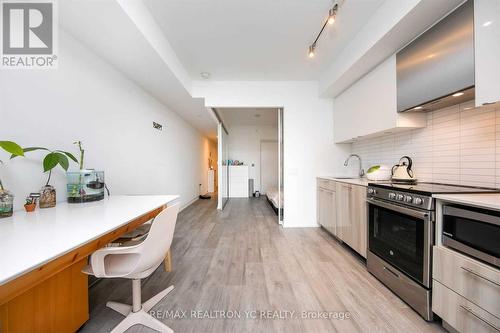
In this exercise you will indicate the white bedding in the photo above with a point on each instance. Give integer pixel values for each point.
(272, 195)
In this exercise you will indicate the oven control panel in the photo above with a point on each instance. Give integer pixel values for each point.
(401, 197)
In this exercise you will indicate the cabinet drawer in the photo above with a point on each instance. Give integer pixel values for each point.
(477, 282)
(461, 314)
(326, 184)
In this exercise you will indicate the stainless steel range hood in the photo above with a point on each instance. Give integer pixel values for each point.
(436, 70)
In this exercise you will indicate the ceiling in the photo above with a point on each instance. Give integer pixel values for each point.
(125, 47)
(164, 45)
(248, 116)
(258, 39)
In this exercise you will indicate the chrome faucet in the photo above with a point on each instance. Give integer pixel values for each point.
(361, 171)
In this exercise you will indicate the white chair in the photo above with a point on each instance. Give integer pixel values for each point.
(137, 262)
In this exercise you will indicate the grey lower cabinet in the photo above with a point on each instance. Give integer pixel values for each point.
(341, 210)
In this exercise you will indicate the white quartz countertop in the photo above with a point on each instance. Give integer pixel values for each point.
(354, 181)
(29, 240)
(485, 200)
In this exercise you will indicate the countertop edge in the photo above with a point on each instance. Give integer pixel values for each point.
(353, 181)
(476, 200)
(40, 264)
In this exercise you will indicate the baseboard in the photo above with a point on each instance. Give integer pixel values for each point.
(189, 203)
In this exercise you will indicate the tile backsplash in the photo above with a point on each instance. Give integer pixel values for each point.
(460, 145)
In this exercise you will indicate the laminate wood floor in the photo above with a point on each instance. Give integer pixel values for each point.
(240, 261)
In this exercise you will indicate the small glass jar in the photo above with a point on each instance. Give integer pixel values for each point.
(6, 203)
(47, 196)
(85, 186)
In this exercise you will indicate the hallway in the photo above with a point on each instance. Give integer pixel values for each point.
(240, 260)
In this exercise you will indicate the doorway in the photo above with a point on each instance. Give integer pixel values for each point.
(254, 155)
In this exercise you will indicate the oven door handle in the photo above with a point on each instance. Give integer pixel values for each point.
(423, 215)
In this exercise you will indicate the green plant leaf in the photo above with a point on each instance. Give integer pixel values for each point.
(71, 156)
(50, 161)
(63, 161)
(12, 147)
(28, 149)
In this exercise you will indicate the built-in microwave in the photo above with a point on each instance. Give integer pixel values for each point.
(473, 231)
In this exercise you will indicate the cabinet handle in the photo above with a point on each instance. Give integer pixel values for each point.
(469, 310)
(468, 270)
(390, 271)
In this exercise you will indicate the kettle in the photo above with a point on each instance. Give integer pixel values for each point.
(402, 172)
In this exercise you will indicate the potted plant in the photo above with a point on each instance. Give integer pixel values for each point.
(85, 185)
(50, 161)
(6, 197)
(30, 204)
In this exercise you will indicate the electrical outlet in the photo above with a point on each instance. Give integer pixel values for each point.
(157, 126)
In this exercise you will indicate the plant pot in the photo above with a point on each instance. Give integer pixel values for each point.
(85, 186)
(6, 203)
(47, 196)
(30, 207)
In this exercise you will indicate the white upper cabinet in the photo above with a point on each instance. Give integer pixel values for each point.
(369, 107)
(487, 50)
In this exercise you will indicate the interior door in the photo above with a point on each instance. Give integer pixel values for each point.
(223, 170)
(280, 166)
(268, 165)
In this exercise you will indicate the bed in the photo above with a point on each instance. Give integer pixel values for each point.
(274, 200)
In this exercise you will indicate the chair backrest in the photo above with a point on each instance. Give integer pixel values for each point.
(157, 243)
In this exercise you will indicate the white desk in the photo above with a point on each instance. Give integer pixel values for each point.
(40, 252)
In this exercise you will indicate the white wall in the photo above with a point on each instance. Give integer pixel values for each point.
(86, 99)
(460, 145)
(308, 136)
(244, 146)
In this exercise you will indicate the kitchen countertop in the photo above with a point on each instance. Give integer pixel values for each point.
(353, 181)
(30, 240)
(485, 200)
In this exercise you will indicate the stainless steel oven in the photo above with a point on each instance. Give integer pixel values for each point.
(400, 240)
(473, 231)
(402, 236)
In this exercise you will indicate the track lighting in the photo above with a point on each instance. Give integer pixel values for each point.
(332, 15)
(311, 51)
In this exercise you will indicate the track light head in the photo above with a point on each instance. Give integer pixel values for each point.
(332, 13)
(311, 51)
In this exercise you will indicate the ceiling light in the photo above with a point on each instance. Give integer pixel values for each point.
(331, 15)
(487, 23)
(457, 94)
(205, 75)
(311, 51)
(417, 108)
